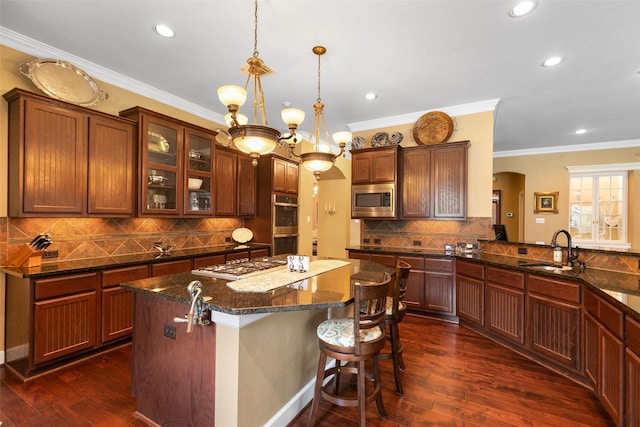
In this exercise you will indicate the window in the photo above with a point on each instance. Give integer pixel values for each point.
(598, 206)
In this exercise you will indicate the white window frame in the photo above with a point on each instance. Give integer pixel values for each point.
(595, 172)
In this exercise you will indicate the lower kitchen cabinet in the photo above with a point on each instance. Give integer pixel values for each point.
(171, 267)
(430, 285)
(66, 316)
(470, 292)
(632, 372)
(504, 296)
(117, 303)
(554, 320)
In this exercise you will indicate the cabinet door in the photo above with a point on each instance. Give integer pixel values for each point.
(449, 180)
(285, 176)
(632, 388)
(470, 299)
(117, 303)
(554, 330)
(226, 183)
(415, 183)
(361, 168)
(383, 166)
(64, 326)
(55, 157)
(439, 293)
(161, 181)
(111, 167)
(291, 183)
(591, 351)
(199, 149)
(505, 312)
(247, 187)
(611, 375)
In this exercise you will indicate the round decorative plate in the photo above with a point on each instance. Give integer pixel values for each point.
(395, 138)
(380, 139)
(63, 81)
(242, 235)
(434, 127)
(357, 142)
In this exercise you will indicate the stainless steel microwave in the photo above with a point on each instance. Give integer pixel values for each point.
(373, 201)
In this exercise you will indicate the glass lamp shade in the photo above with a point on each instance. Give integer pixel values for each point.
(232, 95)
(342, 137)
(316, 161)
(293, 116)
(241, 118)
(254, 139)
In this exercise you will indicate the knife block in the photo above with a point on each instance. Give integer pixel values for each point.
(25, 256)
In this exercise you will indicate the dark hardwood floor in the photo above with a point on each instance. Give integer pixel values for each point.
(454, 377)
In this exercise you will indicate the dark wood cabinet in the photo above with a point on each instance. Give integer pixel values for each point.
(433, 181)
(632, 372)
(285, 176)
(554, 320)
(414, 296)
(470, 292)
(430, 287)
(226, 199)
(374, 165)
(66, 316)
(68, 160)
(117, 303)
(247, 187)
(504, 296)
(171, 267)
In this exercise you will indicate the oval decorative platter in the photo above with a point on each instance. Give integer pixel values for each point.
(434, 127)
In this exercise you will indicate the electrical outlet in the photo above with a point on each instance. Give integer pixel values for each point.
(522, 251)
(377, 241)
(417, 243)
(365, 240)
(227, 239)
(169, 331)
(50, 254)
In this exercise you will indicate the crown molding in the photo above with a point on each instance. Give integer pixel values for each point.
(38, 49)
(629, 143)
(403, 119)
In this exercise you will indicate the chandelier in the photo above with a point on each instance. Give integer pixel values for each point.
(255, 138)
(318, 161)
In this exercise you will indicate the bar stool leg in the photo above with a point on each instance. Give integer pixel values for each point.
(315, 406)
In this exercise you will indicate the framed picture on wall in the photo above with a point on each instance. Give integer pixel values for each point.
(545, 202)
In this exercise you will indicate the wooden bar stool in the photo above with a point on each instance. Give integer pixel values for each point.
(395, 312)
(338, 341)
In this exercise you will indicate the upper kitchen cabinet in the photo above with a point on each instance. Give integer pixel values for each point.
(285, 176)
(374, 165)
(433, 181)
(68, 160)
(235, 184)
(175, 165)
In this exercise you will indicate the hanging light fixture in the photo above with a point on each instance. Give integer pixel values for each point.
(318, 161)
(255, 139)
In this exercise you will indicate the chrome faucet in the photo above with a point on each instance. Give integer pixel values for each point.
(572, 253)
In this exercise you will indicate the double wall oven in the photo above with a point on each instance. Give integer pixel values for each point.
(285, 224)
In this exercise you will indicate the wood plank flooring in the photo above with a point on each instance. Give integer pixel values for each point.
(454, 377)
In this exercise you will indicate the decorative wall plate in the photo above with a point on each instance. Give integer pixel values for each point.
(64, 81)
(434, 127)
(242, 235)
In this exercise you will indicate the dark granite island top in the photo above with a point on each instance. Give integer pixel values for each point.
(327, 290)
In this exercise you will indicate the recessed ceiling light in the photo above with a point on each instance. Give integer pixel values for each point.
(580, 131)
(164, 30)
(522, 8)
(370, 96)
(552, 61)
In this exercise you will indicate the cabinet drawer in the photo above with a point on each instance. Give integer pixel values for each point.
(470, 269)
(417, 263)
(388, 260)
(171, 267)
(590, 302)
(438, 265)
(259, 253)
(565, 291)
(67, 285)
(359, 255)
(237, 255)
(208, 261)
(513, 279)
(119, 275)
(611, 318)
(632, 335)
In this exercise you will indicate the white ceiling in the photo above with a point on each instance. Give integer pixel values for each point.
(416, 55)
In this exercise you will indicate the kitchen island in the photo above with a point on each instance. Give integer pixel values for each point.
(255, 363)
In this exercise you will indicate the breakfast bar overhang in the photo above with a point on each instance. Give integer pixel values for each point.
(253, 365)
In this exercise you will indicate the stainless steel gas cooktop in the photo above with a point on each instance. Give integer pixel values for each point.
(241, 268)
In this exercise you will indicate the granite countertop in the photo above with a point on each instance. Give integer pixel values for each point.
(622, 289)
(330, 289)
(96, 264)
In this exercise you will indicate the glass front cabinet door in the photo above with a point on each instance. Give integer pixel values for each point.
(199, 149)
(161, 153)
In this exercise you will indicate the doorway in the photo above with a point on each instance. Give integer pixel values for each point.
(509, 187)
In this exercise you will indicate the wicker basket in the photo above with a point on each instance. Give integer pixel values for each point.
(434, 127)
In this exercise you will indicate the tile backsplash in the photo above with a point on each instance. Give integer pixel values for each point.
(84, 238)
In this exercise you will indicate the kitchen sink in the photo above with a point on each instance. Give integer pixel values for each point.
(544, 266)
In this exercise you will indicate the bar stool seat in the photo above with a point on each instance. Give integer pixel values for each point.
(337, 340)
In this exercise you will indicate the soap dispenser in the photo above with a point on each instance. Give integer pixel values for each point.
(557, 254)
